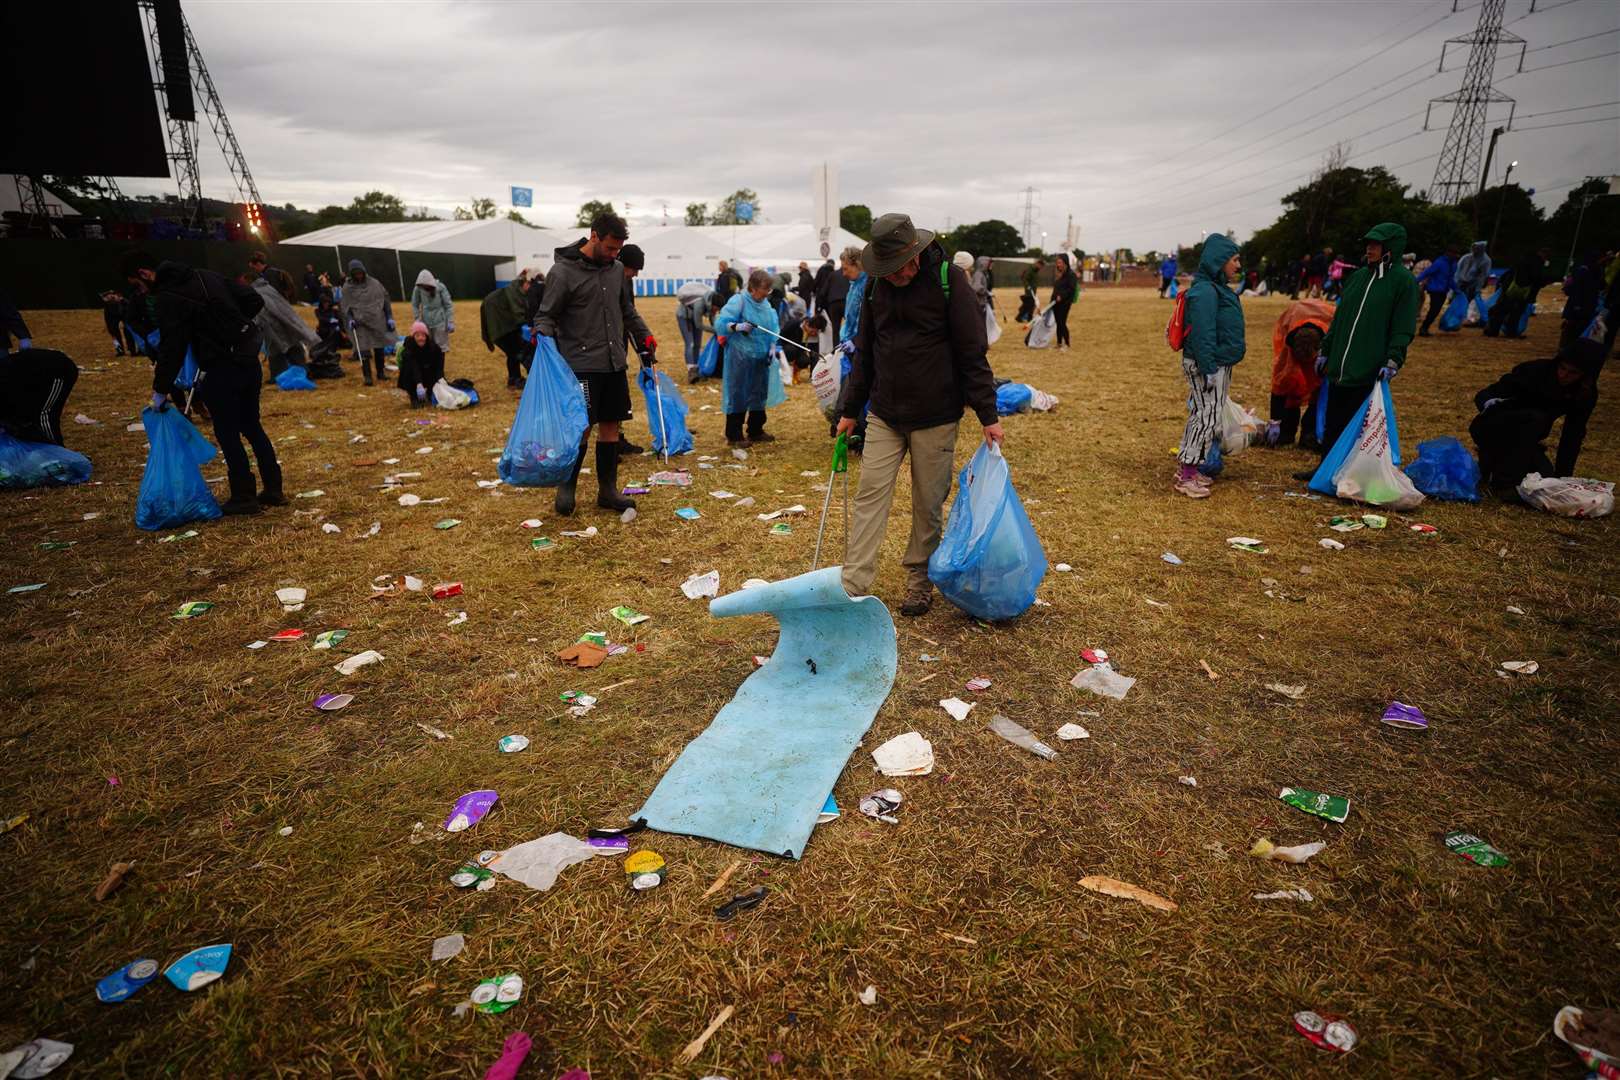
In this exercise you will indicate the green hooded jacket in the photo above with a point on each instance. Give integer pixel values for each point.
(1376, 317)
(1214, 314)
(502, 312)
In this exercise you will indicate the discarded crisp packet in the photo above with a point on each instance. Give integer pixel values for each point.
(1070, 732)
(530, 523)
(498, 994)
(470, 810)
(1326, 1030)
(1102, 679)
(628, 616)
(700, 585)
(1594, 1035)
(512, 744)
(472, 874)
(978, 683)
(332, 702)
(829, 811)
(687, 513)
(905, 755)
(199, 967)
(1171, 558)
(1333, 807)
(1400, 715)
(635, 489)
(1248, 543)
(609, 843)
(1474, 849)
(671, 478)
(1346, 524)
(448, 946)
(1374, 521)
(288, 635)
(542, 543)
(1426, 530)
(328, 638)
(447, 523)
(882, 804)
(958, 708)
(645, 870)
(126, 980)
(781, 528)
(446, 589)
(358, 661)
(188, 610)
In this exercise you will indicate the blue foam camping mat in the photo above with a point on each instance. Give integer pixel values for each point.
(759, 774)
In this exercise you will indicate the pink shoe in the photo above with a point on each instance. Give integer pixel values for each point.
(1191, 488)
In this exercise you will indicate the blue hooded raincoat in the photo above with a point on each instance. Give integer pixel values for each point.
(748, 356)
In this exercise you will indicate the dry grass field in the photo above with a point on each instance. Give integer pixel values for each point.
(130, 736)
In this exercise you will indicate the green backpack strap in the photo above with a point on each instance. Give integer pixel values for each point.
(945, 278)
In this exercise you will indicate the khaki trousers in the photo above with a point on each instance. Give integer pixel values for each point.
(933, 452)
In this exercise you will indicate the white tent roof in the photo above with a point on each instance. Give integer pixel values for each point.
(496, 236)
(9, 200)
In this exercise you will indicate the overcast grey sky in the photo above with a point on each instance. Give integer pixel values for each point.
(1147, 120)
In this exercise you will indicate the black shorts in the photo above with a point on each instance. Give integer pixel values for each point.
(607, 395)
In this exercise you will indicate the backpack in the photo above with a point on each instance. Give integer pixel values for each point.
(1175, 332)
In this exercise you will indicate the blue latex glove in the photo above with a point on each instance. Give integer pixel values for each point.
(526, 332)
(1492, 401)
(24, 344)
(450, 328)
(1321, 362)
(741, 327)
(159, 402)
(421, 392)
(390, 324)
(1388, 372)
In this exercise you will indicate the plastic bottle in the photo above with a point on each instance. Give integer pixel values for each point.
(1020, 736)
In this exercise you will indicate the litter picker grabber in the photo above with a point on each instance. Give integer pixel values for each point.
(840, 464)
(795, 344)
(658, 389)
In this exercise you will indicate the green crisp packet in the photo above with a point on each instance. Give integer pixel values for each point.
(1474, 849)
(191, 609)
(1332, 807)
(629, 616)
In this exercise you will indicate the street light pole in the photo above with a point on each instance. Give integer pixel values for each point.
(1500, 200)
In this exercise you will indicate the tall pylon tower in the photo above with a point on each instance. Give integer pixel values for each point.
(1029, 209)
(1457, 173)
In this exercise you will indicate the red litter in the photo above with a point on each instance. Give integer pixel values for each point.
(288, 635)
(1094, 656)
(445, 590)
(1326, 1030)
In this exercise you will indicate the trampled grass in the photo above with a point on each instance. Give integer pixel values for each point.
(989, 959)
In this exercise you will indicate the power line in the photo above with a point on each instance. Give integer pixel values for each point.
(1572, 41)
(1573, 108)
(1566, 63)
(1570, 123)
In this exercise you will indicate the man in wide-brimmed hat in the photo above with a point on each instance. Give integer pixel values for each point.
(919, 361)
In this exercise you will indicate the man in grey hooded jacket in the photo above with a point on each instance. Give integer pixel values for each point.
(1473, 271)
(369, 313)
(588, 313)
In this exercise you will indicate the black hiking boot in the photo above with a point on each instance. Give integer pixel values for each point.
(607, 479)
(564, 502)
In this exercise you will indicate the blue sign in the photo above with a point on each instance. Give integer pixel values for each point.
(523, 196)
(745, 211)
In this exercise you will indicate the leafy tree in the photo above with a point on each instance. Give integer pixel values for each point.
(697, 213)
(589, 211)
(483, 208)
(1599, 225)
(461, 213)
(726, 212)
(856, 218)
(373, 206)
(995, 238)
(513, 215)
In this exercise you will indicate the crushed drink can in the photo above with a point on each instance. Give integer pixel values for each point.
(126, 980)
(469, 875)
(1333, 807)
(1474, 849)
(192, 608)
(1327, 1031)
(498, 994)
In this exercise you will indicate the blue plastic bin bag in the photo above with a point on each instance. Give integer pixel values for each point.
(295, 378)
(1456, 313)
(1013, 397)
(187, 375)
(709, 358)
(775, 392)
(1444, 469)
(989, 562)
(671, 423)
(173, 491)
(1323, 480)
(551, 420)
(31, 465)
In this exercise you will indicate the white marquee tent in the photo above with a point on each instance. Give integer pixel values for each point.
(496, 236)
(677, 254)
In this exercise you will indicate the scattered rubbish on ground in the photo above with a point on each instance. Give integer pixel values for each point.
(317, 493)
(700, 585)
(582, 534)
(578, 703)
(36, 1057)
(781, 528)
(628, 516)
(12, 822)
(1401, 715)
(292, 598)
(1155, 603)
(1330, 543)
(470, 875)
(687, 513)
(1301, 893)
(1594, 1035)
(448, 946)
(583, 654)
(695, 1047)
(905, 755)
(1374, 521)
(978, 683)
(414, 584)
(1094, 656)
(457, 619)
(496, 995)
(115, 877)
(722, 494)
(671, 478)
(291, 634)
(172, 537)
(1103, 680)
(754, 583)
(447, 523)
(199, 967)
(1300, 853)
(869, 995)
(927, 659)
(470, 809)
(1515, 611)
(1189, 781)
(1474, 849)
(358, 661)
(530, 523)
(40, 585)
(745, 901)
(188, 610)
(1346, 524)
(784, 512)
(1326, 1030)
(1295, 692)
(126, 980)
(1172, 558)
(882, 804)
(1126, 891)
(1248, 543)
(446, 589)
(512, 744)
(1071, 732)
(1062, 567)
(285, 830)
(1333, 807)
(725, 876)
(514, 1051)
(1020, 737)
(628, 616)
(332, 702)
(1426, 530)
(1521, 667)
(536, 863)
(958, 708)
(433, 731)
(645, 870)
(542, 543)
